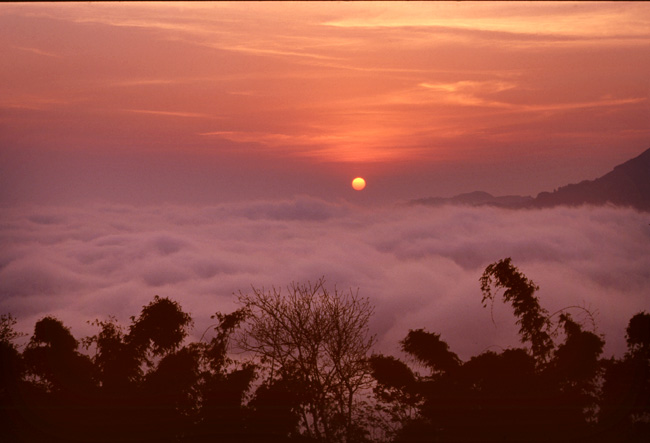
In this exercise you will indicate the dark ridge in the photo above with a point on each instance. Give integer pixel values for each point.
(627, 185)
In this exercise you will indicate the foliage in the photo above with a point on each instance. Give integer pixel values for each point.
(429, 350)
(397, 394)
(533, 320)
(547, 393)
(12, 374)
(161, 327)
(625, 401)
(7, 333)
(308, 377)
(638, 334)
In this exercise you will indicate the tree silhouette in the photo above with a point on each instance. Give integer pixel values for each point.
(430, 350)
(547, 393)
(533, 320)
(575, 369)
(160, 328)
(117, 363)
(222, 415)
(625, 406)
(154, 388)
(145, 382)
(638, 335)
(62, 384)
(12, 370)
(274, 412)
(397, 394)
(316, 341)
(307, 377)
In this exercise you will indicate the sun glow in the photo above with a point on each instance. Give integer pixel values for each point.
(332, 83)
(358, 184)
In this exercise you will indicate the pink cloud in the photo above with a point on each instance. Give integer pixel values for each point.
(419, 266)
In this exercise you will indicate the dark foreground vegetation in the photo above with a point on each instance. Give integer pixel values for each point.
(296, 366)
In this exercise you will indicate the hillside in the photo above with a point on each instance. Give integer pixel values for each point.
(628, 184)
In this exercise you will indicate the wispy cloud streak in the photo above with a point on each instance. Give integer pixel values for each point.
(171, 113)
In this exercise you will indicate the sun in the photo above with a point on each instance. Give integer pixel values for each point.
(358, 183)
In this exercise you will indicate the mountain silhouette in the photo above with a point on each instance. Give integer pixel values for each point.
(627, 185)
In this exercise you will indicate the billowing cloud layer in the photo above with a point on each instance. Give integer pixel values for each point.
(418, 265)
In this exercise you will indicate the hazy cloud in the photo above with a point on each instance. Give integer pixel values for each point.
(418, 265)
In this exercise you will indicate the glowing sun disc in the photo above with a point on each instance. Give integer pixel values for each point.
(358, 183)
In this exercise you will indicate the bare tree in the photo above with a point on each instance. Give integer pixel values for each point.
(318, 342)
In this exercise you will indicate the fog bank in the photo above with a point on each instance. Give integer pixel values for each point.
(418, 265)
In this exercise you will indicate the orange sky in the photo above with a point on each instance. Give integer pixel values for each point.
(353, 88)
(216, 143)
